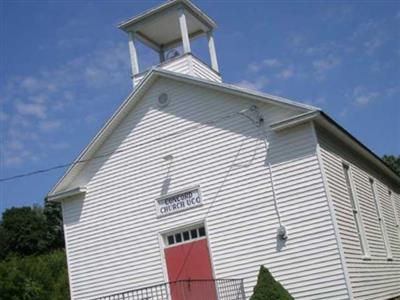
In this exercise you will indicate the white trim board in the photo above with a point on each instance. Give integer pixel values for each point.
(66, 194)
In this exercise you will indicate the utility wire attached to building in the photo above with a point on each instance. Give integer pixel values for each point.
(257, 120)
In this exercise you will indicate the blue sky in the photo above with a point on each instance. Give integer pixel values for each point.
(64, 69)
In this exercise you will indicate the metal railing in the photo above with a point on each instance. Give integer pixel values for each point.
(207, 289)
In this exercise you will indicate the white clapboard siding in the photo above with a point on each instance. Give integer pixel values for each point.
(185, 64)
(376, 278)
(113, 233)
(201, 70)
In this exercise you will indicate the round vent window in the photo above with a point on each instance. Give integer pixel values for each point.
(163, 100)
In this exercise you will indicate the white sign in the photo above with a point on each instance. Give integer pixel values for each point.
(178, 202)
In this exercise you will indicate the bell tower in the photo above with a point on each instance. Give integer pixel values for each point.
(162, 29)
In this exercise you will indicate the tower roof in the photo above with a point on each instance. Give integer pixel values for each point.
(159, 27)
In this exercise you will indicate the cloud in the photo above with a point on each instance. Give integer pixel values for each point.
(337, 13)
(364, 29)
(257, 84)
(32, 84)
(324, 48)
(362, 96)
(15, 150)
(92, 118)
(392, 91)
(29, 83)
(271, 62)
(286, 73)
(343, 113)
(59, 145)
(34, 107)
(3, 116)
(36, 110)
(15, 145)
(317, 101)
(12, 159)
(366, 37)
(296, 40)
(264, 64)
(48, 126)
(72, 42)
(276, 69)
(365, 99)
(323, 66)
(370, 35)
(374, 43)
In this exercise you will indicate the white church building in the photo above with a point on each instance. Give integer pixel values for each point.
(194, 183)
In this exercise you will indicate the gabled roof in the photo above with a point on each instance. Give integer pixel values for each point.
(135, 96)
(309, 113)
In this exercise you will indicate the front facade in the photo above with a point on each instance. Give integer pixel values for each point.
(196, 179)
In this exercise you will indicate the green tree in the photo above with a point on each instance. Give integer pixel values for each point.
(23, 231)
(29, 268)
(3, 243)
(267, 288)
(31, 231)
(393, 162)
(54, 223)
(41, 277)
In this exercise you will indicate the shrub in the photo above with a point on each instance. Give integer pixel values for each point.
(267, 288)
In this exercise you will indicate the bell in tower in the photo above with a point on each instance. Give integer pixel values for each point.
(166, 27)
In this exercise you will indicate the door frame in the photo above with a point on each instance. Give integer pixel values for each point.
(180, 227)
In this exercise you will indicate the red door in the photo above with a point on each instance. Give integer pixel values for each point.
(190, 272)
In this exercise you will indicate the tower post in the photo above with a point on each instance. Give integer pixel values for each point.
(133, 54)
(212, 51)
(161, 54)
(184, 30)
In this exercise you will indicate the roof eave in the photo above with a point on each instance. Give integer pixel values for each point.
(326, 121)
(58, 197)
(295, 120)
(84, 155)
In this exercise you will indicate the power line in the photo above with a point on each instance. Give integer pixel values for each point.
(55, 167)
(173, 134)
